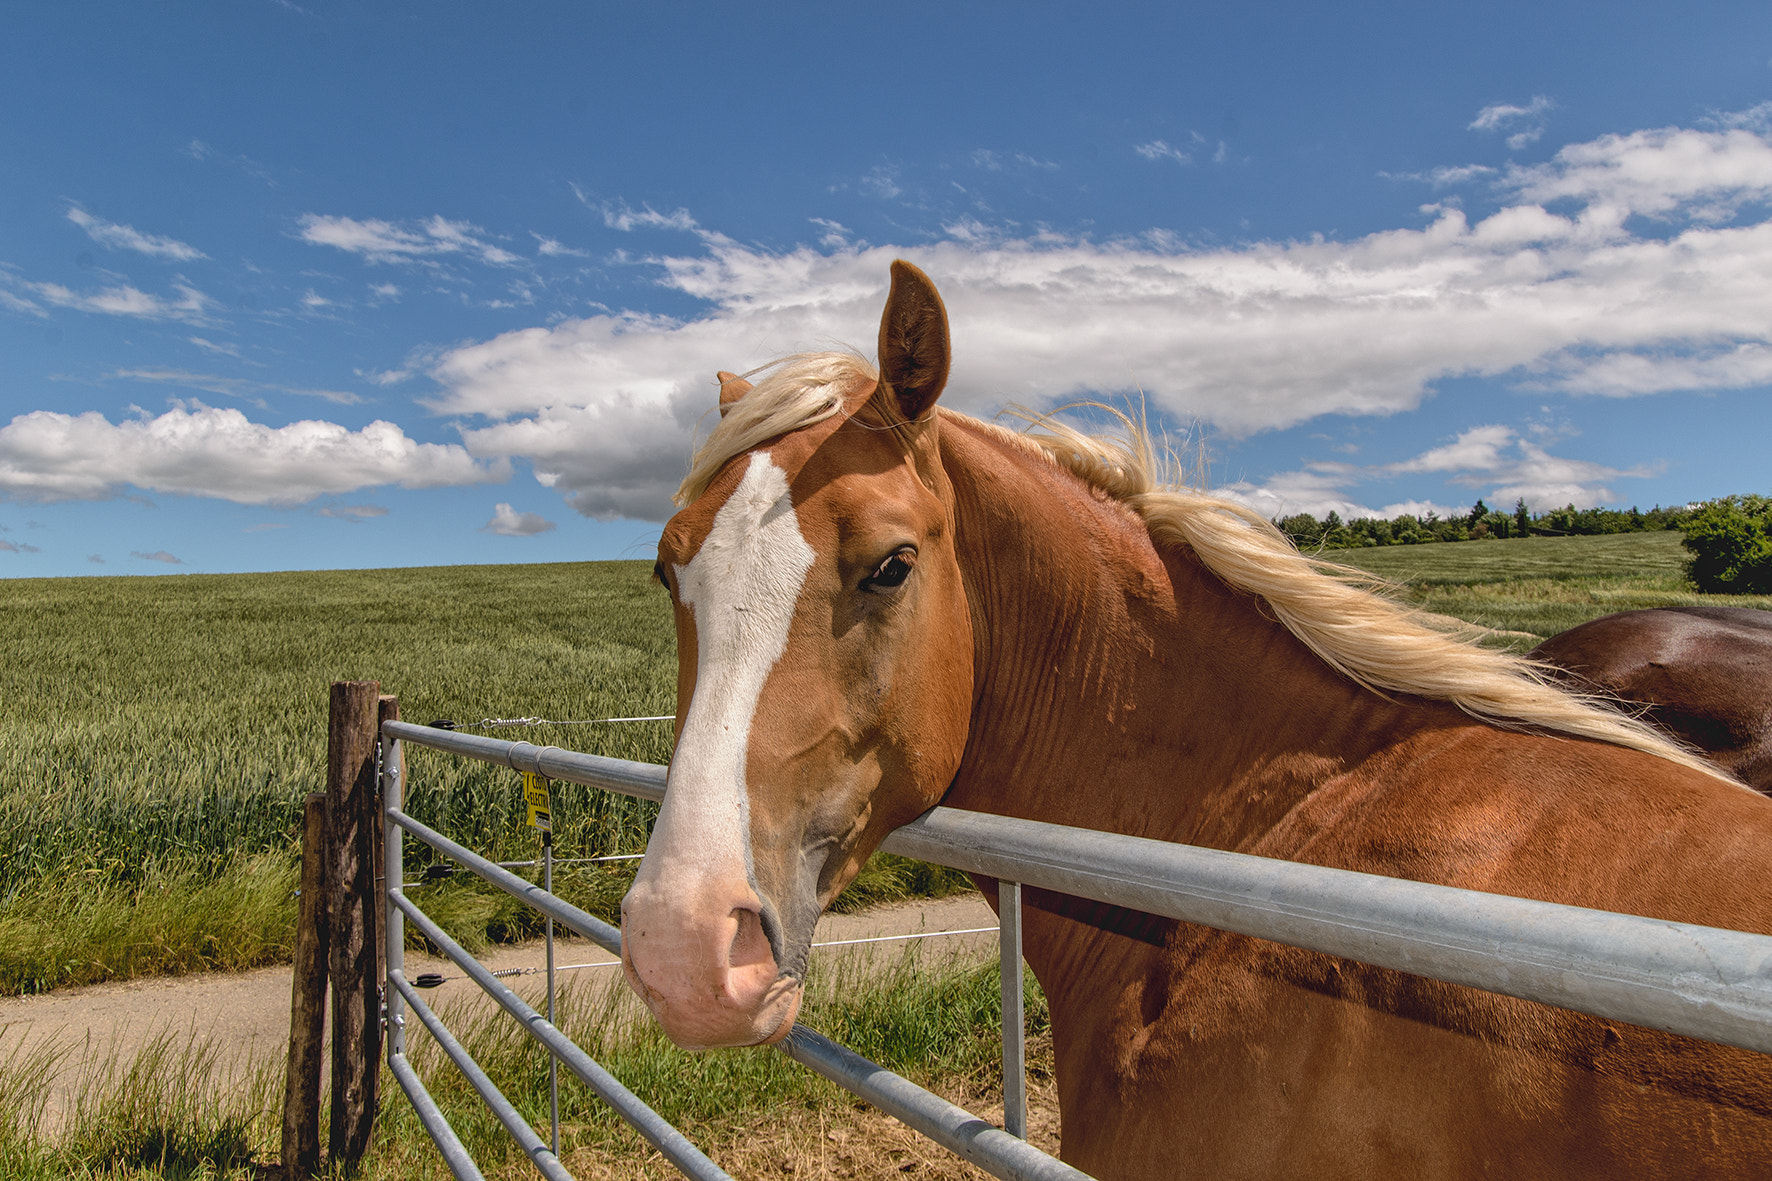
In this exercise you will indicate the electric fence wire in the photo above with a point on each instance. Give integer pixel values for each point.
(500, 723)
(433, 979)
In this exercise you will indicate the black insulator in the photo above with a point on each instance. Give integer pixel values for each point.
(441, 724)
(429, 980)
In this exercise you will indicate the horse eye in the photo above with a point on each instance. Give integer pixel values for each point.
(658, 575)
(890, 573)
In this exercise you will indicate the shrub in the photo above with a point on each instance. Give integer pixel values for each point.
(1730, 540)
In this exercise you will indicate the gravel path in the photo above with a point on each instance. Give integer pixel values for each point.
(249, 1011)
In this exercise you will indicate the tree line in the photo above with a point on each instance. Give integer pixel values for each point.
(1729, 538)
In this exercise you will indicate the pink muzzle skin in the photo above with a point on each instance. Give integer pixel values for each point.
(707, 972)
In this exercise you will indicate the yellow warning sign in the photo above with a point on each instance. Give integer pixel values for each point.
(535, 798)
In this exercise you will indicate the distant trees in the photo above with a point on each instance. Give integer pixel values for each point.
(1479, 524)
(1729, 539)
(1730, 542)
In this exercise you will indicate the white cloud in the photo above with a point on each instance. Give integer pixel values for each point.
(1701, 175)
(203, 451)
(1529, 120)
(124, 300)
(198, 150)
(1477, 449)
(379, 241)
(1496, 462)
(1158, 149)
(1244, 339)
(553, 248)
(620, 217)
(1756, 118)
(233, 387)
(18, 303)
(882, 182)
(508, 522)
(157, 556)
(1500, 115)
(121, 237)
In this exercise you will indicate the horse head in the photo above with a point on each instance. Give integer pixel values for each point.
(824, 684)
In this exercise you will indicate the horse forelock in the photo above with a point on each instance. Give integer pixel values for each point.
(794, 393)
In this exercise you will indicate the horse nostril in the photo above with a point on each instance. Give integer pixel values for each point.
(757, 937)
(771, 924)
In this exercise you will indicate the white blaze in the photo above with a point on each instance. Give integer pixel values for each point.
(741, 587)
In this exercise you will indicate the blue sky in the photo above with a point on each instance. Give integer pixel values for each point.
(313, 285)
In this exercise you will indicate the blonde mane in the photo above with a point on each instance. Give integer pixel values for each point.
(1337, 611)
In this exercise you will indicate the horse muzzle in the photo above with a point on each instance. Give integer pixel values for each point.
(706, 968)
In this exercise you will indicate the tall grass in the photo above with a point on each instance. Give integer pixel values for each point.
(158, 735)
(166, 730)
(936, 1024)
(175, 1110)
(178, 1110)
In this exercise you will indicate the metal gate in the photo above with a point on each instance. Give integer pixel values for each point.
(1700, 982)
(999, 1152)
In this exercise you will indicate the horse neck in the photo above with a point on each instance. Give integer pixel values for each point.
(1124, 689)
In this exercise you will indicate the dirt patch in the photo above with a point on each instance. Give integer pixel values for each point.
(247, 1013)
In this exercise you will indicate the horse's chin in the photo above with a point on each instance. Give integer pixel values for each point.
(723, 1023)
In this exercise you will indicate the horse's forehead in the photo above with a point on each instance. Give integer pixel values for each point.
(813, 463)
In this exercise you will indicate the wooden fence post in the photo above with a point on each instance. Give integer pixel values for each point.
(307, 1002)
(352, 820)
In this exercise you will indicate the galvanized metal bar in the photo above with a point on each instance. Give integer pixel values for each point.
(661, 1135)
(547, 885)
(546, 1161)
(393, 848)
(645, 780)
(1015, 1070)
(583, 922)
(954, 1128)
(1702, 982)
(461, 1165)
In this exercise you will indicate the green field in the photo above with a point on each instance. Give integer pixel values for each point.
(1539, 586)
(157, 735)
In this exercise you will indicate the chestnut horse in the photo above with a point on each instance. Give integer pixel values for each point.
(1701, 673)
(881, 605)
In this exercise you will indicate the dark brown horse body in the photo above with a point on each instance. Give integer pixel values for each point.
(1702, 673)
(963, 614)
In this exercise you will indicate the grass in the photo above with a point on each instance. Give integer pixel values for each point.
(179, 1111)
(1540, 586)
(174, 1111)
(157, 737)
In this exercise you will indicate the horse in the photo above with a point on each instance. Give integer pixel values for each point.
(1702, 673)
(882, 604)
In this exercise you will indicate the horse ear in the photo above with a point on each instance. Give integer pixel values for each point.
(914, 341)
(732, 388)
